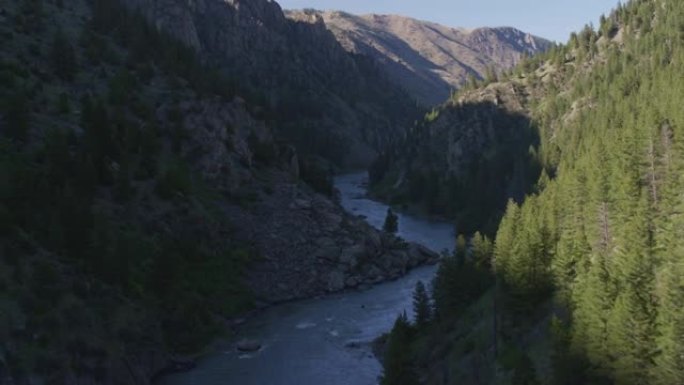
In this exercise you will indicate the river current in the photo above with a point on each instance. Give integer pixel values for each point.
(325, 341)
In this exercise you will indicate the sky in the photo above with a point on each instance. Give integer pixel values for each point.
(550, 19)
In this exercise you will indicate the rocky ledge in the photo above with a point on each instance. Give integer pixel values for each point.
(309, 246)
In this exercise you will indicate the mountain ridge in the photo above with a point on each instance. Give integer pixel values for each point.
(427, 59)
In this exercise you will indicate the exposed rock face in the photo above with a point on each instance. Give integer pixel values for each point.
(248, 345)
(329, 103)
(427, 59)
(309, 246)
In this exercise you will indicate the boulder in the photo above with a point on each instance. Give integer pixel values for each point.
(419, 254)
(399, 258)
(328, 249)
(352, 282)
(302, 204)
(332, 219)
(335, 281)
(247, 345)
(385, 261)
(351, 255)
(374, 273)
(373, 241)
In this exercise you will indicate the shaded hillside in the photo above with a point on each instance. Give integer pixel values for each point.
(319, 97)
(427, 59)
(466, 158)
(145, 199)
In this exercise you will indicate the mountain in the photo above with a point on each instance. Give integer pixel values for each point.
(152, 188)
(583, 283)
(427, 59)
(328, 103)
(466, 158)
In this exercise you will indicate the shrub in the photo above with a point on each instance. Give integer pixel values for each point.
(176, 180)
(63, 57)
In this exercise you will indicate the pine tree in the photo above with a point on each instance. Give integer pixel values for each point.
(490, 75)
(17, 116)
(391, 222)
(527, 272)
(63, 57)
(572, 255)
(398, 366)
(593, 299)
(483, 251)
(505, 239)
(669, 367)
(460, 250)
(632, 320)
(422, 309)
(524, 372)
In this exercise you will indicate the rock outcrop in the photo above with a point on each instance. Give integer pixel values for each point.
(248, 345)
(326, 101)
(427, 59)
(309, 246)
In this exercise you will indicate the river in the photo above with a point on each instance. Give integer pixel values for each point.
(325, 341)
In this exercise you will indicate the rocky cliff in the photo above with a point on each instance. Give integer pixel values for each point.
(144, 201)
(309, 246)
(427, 59)
(326, 101)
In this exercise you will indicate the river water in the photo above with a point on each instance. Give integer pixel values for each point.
(325, 341)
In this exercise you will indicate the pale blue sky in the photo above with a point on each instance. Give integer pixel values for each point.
(551, 19)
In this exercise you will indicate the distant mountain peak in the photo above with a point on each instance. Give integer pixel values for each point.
(428, 59)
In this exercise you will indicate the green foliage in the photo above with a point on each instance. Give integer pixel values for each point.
(63, 105)
(17, 117)
(483, 251)
(524, 372)
(264, 150)
(490, 75)
(461, 249)
(598, 242)
(475, 195)
(63, 57)
(121, 87)
(213, 279)
(603, 228)
(422, 309)
(457, 284)
(398, 363)
(93, 264)
(432, 115)
(314, 173)
(31, 18)
(175, 181)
